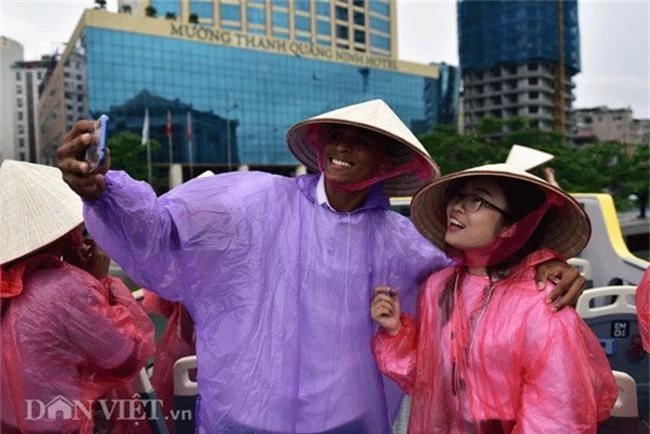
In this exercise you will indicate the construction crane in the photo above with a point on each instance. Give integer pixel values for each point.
(560, 123)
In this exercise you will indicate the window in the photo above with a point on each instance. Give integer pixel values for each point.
(39, 75)
(380, 42)
(533, 95)
(21, 129)
(201, 9)
(323, 8)
(20, 116)
(19, 89)
(533, 81)
(380, 7)
(21, 142)
(360, 36)
(22, 156)
(280, 19)
(256, 16)
(303, 23)
(359, 18)
(342, 31)
(341, 13)
(533, 109)
(379, 24)
(19, 103)
(19, 76)
(323, 27)
(230, 12)
(532, 66)
(302, 5)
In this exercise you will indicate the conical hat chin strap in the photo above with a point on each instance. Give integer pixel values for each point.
(416, 165)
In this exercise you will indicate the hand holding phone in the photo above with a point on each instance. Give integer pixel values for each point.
(95, 154)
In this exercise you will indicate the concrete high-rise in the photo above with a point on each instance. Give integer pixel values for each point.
(10, 51)
(517, 59)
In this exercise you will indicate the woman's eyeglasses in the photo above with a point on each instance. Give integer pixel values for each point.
(473, 203)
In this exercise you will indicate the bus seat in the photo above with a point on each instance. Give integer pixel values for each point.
(584, 267)
(185, 394)
(625, 414)
(616, 325)
(142, 385)
(401, 422)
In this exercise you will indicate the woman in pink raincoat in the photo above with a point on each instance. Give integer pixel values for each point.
(486, 353)
(72, 337)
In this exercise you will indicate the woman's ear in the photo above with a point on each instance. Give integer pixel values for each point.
(509, 231)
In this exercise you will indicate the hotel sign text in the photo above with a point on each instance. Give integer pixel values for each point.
(300, 49)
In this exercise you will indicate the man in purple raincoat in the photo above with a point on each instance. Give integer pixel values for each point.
(278, 272)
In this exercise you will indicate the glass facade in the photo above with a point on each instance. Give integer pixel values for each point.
(167, 6)
(293, 19)
(241, 101)
(493, 33)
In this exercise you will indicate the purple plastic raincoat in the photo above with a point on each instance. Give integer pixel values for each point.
(279, 289)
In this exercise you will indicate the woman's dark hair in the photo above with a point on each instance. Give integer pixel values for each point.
(522, 198)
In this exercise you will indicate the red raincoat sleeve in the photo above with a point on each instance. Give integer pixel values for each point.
(396, 355)
(643, 309)
(113, 331)
(569, 384)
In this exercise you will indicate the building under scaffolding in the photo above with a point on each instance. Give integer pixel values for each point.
(518, 59)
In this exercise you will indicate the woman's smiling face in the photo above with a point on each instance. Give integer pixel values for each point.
(475, 214)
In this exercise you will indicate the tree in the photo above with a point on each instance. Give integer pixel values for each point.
(170, 16)
(126, 9)
(150, 11)
(614, 168)
(128, 154)
(101, 4)
(194, 18)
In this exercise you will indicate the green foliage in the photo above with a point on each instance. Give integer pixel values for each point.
(615, 168)
(170, 16)
(194, 18)
(150, 11)
(101, 4)
(128, 154)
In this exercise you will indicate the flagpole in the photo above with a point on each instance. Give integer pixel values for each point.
(169, 136)
(145, 141)
(189, 143)
(149, 162)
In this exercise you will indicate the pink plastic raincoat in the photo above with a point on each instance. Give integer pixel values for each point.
(643, 309)
(67, 338)
(527, 370)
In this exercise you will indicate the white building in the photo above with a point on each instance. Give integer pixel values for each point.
(10, 52)
(28, 76)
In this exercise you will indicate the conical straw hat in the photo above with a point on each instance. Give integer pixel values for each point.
(527, 158)
(206, 174)
(376, 116)
(36, 206)
(567, 234)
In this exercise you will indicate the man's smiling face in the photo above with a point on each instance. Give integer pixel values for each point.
(351, 155)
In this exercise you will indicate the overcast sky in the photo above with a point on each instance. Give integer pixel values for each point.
(615, 41)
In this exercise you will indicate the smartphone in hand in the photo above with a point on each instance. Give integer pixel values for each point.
(95, 154)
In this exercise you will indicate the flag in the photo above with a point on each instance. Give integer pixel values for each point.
(145, 127)
(188, 129)
(169, 125)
